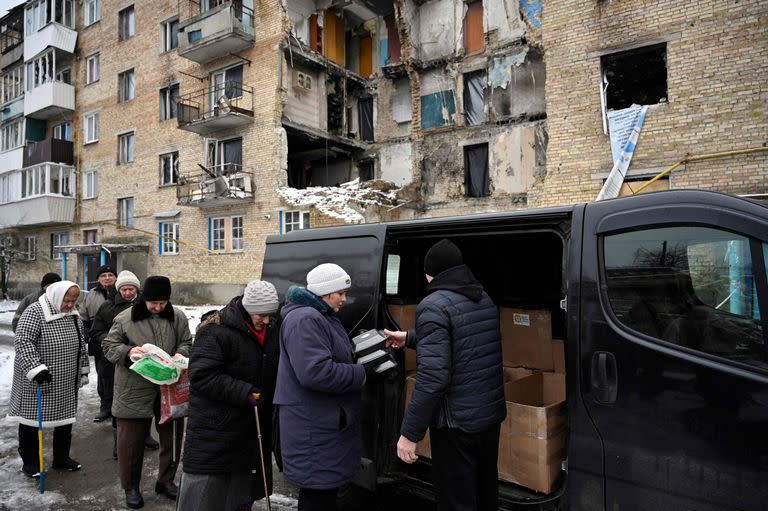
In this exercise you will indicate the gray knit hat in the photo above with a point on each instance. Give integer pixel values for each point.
(260, 297)
(328, 278)
(126, 278)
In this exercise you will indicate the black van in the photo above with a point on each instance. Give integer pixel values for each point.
(662, 301)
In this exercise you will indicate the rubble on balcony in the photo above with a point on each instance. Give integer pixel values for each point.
(219, 185)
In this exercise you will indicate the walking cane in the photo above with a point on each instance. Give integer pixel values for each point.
(261, 458)
(40, 436)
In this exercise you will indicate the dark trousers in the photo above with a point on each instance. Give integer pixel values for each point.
(105, 381)
(130, 448)
(317, 500)
(28, 444)
(464, 467)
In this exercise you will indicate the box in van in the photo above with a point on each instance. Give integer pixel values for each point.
(661, 301)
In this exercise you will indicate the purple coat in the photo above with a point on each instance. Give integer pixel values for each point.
(319, 395)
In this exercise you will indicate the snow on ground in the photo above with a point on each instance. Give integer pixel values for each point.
(193, 314)
(7, 310)
(338, 201)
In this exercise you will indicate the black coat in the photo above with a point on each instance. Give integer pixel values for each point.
(460, 380)
(226, 362)
(103, 320)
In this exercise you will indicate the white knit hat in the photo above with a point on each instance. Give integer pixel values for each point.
(260, 297)
(126, 278)
(328, 278)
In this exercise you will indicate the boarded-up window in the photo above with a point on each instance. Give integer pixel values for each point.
(473, 28)
(474, 97)
(476, 179)
(366, 62)
(437, 109)
(393, 40)
(333, 42)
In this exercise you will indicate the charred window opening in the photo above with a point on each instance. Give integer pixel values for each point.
(476, 180)
(335, 89)
(365, 118)
(365, 170)
(636, 76)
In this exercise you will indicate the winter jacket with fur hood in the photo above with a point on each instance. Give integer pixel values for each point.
(134, 396)
(319, 395)
(227, 362)
(460, 381)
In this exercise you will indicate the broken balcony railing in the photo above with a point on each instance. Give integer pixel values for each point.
(224, 105)
(218, 185)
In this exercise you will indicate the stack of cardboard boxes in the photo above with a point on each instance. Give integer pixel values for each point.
(532, 439)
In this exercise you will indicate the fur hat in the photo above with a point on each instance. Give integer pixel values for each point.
(260, 297)
(443, 255)
(328, 278)
(49, 278)
(126, 278)
(106, 268)
(156, 288)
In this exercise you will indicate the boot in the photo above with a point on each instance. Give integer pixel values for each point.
(169, 489)
(28, 450)
(102, 416)
(133, 498)
(62, 440)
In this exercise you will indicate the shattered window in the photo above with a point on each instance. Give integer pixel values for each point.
(637, 76)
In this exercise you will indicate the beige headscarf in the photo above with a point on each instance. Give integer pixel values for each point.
(53, 297)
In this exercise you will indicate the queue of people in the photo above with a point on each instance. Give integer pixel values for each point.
(253, 358)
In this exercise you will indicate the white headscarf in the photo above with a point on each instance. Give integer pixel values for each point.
(53, 298)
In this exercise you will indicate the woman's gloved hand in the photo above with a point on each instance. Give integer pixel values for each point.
(254, 396)
(43, 376)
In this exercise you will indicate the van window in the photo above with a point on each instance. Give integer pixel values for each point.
(393, 273)
(690, 286)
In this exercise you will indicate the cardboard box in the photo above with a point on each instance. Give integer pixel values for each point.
(558, 355)
(526, 338)
(405, 317)
(423, 448)
(532, 439)
(515, 373)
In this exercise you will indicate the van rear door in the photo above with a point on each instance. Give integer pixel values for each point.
(359, 250)
(674, 349)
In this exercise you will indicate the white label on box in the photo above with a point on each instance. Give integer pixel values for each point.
(521, 319)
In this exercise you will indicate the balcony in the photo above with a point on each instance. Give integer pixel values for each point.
(13, 159)
(224, 106)
(38, 195)
(11, 47)
(48, 100)
(51, 35)
(221, 185)
(13, 108)
(224, 29)
(49, 150)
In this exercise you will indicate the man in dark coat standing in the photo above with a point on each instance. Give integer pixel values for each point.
(48, 279)
(232, 369)
(318, 390)
(459, 390)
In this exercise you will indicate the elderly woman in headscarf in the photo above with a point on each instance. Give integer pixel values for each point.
(50, 353)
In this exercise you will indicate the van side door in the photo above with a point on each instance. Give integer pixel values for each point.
(674, 349)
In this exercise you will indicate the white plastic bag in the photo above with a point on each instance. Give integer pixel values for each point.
(158, 366)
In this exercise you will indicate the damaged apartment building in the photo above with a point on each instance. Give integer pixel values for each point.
(442, 100)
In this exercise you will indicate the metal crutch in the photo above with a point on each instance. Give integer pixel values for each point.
(261, 458)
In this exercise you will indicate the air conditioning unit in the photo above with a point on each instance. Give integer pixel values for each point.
(302, 81)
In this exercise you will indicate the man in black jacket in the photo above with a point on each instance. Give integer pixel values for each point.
(459, 392)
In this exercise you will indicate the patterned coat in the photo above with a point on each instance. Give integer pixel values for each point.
(57, 345)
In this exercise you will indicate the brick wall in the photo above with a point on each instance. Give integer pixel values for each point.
(717, 62)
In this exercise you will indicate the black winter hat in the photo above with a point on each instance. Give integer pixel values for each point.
(49, 278)
(443, 255)
(106, 268)
(156, 288)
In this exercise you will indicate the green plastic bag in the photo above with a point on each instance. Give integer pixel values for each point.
(157, 366)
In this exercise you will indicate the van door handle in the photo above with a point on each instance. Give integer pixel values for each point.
(604, 377)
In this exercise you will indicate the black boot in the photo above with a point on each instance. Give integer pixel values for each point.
(62, 440)
(168, 489)
(133, 498)
(28, 450)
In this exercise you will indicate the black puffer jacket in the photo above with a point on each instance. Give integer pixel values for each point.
(459, 379)
(103, 320)
(226, 362)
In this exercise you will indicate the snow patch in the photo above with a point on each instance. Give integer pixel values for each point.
(338, 201)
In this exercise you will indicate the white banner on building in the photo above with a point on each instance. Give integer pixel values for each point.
(625, 128)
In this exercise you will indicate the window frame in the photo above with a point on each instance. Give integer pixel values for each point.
(87, 117)
(165, 246)
(173, 155)
(13, 83)
(126, 85)
(96, 75)
(97, 12)
(91, 183)
(126, 207)
(30, 248)
(303, 222)
(213, 239)
(233, 229)
(126, 22)
(12, 134)
(67, 126)
(126, 147)
(167, 34)
(169, 110)
(59, 236)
